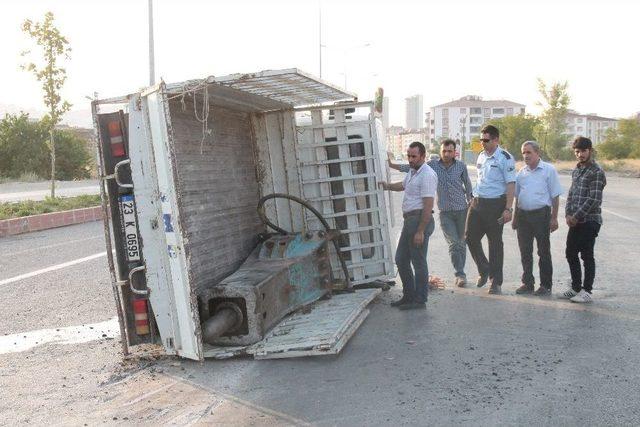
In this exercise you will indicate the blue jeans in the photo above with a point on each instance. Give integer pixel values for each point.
(414, 285)
(452, 223)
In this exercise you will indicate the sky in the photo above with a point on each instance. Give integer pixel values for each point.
(441, 49)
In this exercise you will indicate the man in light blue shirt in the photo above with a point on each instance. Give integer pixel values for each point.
(491, 208)
(536, 217)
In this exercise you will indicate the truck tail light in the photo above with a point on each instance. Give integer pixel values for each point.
(141, 316)
(116, 139)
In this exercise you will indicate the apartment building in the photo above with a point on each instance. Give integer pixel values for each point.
(592, 126)
(399, 138)
(462, 119)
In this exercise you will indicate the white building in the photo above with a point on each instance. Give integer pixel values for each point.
(414, 112)
(463, 119)
(398, 139)
(592, 126)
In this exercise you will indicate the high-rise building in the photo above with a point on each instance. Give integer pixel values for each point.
(414, 112)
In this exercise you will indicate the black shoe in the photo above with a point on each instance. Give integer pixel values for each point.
(495, 289)
(482, 280)
(413, 306)
(403, 300)
(542, 292)
(524, 289)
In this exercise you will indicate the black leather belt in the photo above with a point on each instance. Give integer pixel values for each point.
(534, 211)
(416, 212)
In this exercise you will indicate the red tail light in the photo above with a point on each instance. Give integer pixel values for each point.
(141, 316)
(116, 139)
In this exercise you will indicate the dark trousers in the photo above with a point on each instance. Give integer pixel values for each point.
(483, 220)
(414, 286)
(531, 225)
(580, 240)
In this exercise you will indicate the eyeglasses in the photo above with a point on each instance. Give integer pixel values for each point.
(485, 140)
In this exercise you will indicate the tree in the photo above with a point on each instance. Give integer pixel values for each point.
(23, 150)
(555, 104)
(22, 146)
(75, 160)
(54, 46)
(514, 130)
(623, 142)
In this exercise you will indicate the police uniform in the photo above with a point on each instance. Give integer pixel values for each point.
(495, 171)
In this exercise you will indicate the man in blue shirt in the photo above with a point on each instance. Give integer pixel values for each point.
(536, 216)
(491, 207)
(454, 194)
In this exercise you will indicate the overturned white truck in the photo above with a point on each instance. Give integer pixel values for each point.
(197, 266)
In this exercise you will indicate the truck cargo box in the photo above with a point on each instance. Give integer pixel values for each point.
(183, 167)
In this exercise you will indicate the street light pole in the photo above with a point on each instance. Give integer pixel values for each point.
(320, 34)
(346, 58)
(152, 71)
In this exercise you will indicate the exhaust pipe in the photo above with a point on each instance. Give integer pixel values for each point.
(227, 318)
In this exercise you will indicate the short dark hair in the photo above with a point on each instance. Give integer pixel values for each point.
(420, 147)
(491, 130)
(449, 141)
(582, 143)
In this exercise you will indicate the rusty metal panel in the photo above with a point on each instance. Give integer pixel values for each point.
(218, 191)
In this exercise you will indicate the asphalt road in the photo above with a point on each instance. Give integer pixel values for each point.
(470, 358)
(18, 191)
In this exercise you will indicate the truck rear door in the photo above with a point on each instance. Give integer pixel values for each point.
(141, 202)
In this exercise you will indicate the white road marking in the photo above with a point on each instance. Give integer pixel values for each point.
(101, 236)
(24, 341)
(52, 268)
(610, 212)
(618, 215)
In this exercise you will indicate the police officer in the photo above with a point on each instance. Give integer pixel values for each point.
(491, 207)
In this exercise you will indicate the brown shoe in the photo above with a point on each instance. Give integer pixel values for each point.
(524, 289)
(542, 292)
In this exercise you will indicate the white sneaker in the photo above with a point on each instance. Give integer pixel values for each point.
(568, 294)
(583, 296)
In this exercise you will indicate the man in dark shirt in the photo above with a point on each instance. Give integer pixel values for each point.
(584, 218)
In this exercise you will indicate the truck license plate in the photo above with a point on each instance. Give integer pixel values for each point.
(130, 227)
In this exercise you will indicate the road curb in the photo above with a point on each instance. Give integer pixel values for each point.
(27, 224)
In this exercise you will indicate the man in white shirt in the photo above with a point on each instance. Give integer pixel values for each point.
(536, 217)
(419, 187)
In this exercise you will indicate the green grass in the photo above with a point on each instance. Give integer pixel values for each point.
(58, 204)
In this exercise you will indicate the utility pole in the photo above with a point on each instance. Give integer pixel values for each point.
(152, 72)
(319, 33)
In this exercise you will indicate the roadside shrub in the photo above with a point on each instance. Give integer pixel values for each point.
(24, 152)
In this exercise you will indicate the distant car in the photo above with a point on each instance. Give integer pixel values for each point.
(434, 157)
